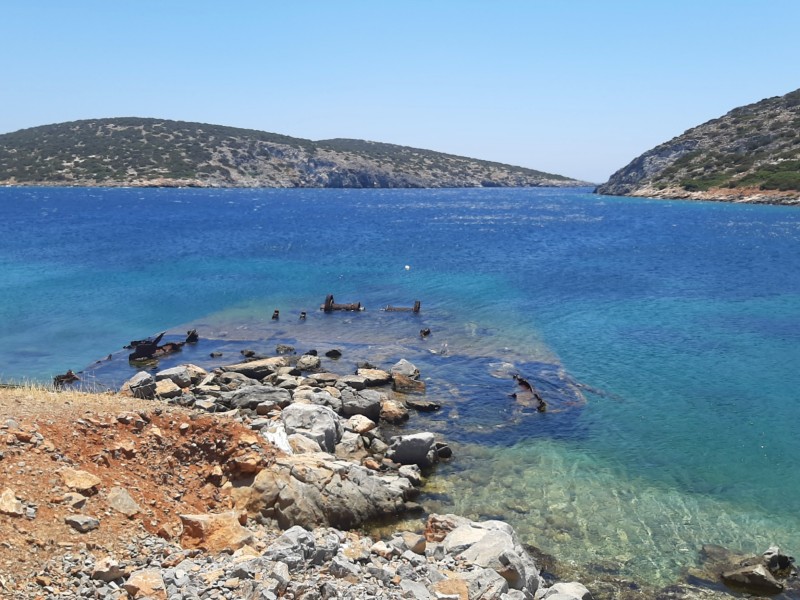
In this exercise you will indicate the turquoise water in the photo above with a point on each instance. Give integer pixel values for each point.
(664, 336)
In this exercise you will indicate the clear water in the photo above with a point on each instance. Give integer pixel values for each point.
(664, 336)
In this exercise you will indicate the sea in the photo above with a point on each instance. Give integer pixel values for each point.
(663, 335)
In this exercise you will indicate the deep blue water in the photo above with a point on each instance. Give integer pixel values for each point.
(663, 334)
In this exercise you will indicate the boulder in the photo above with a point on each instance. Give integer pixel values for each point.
(407, 385)
(405, 368)
(317, 490)
(315, 395)
(234, 381)
(753, 579)
(351, 447)
(365, 402)
(374, 377)
(393, 412)
(300, 444)
(318, 423)
(308, 362)
(359, 424)
(414, 449)
(351, 381)
(141, 385)
(181, 375)
(249, 397)
(166, 388)
(107, 569)
(215, 532)
(257, 369)
(324, 378)
(571, 590)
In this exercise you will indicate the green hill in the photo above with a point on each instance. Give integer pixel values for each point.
(158, 152)
(751, 154)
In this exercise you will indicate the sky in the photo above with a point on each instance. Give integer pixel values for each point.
(574, 87)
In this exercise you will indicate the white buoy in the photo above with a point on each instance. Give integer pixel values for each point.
(408, 267)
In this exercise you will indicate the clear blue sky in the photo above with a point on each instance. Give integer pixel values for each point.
(567, 86)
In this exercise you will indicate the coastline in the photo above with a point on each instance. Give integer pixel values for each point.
(168, 399)
(739, 196)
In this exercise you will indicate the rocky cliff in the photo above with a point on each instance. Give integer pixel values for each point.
(751, 154)
(157, 152)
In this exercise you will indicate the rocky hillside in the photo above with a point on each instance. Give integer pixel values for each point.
(751, 154)
(157, 152)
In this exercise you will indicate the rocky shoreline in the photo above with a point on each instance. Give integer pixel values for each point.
(325, 456)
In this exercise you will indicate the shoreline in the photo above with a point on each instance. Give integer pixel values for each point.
(744, 196)
(598, 584)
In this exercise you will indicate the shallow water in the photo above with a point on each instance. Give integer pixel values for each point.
(664, 336)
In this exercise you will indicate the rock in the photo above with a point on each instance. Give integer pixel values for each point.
(284, 349)
(251, 396)
(341, 568)
(82, 523)
(257, 369)
(404, 368)
(233, 381)
(308, 362)
(315, 395)
(451, 589)
(166, 389)
(374, 377)
(80, 481)
(393, 412)
(317, 490)
(406, 385)
(215, 532)
(754, 579)
(422, 405)
(572, 590)
(352, 381)
(364, 402)
(146, 583)
(318, 423)
(141, 385)
(293, 547)
(300, 444)
(414, 589)
(415, 449)
(412, 473)
(351, 447)
(180, 376)
(776, 561)
(359, 424)
(485, 583)
(9, 505)
(120, 500)
(107, 569)
(334, 353)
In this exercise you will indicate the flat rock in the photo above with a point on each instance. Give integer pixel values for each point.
(258, 369)
(250, 396)
(404, 368)
(393, 412)
(406, 385)
(374, 377)
(166, 388)
(107, 569)
(352, 381)
(141, 385)
(754, 579)
(82, 523)
(81, 481)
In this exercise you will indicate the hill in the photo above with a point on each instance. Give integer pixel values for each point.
(751, 154)
(158, 152)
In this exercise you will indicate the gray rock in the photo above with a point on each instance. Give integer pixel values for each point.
(206, 404)
(340, 567)
(301, 444)
(180, 376)
(318, 423)
(315, 395)
(415, 449)
(352, 381)
(120, 500)
(82, 523)
(257, 369)
(364, 402)
(404, 367)
(249, 397)
(374, 377)
(415, 589)
(141, 385)
(485, 584)
(308, 362)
